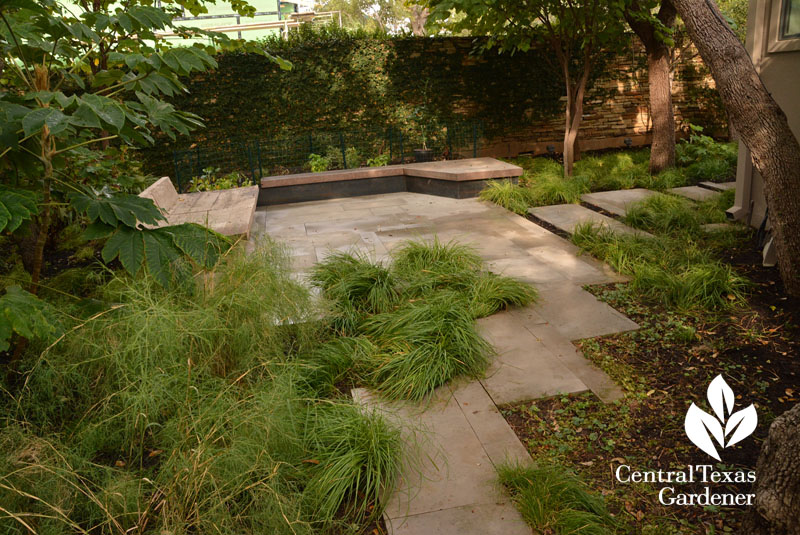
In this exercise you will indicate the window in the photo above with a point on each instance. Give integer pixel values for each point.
(790, 19)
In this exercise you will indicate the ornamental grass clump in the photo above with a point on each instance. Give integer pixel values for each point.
(552, 499)
(424, 344)
(192, 411)
(419, 332)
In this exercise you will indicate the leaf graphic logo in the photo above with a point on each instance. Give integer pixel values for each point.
(726, 428)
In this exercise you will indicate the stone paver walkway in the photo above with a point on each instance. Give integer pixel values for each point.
(718, 186)
(695, 193)
(566, 217)
(616, 202)
(460, 433)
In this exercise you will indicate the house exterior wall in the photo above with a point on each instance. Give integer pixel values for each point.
(777, 61)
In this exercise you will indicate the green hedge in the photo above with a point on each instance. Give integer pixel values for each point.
(352, 80)
(355, 80)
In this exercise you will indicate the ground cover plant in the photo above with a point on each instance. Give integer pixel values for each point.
(410, 326)
(678, 267)
(705, 306)
(699, 159)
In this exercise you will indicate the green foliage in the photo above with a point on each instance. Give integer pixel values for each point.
(705, 159)
(677, 271)
(552, 499)
(318, 163)
(76, 78)
(353, 157)
(543, 182)
(22, 313)
(663, 213)
(423, 345)
(366, 287)
(358, 460)
(380, 160)
(410, 327)
(16, 207)
(209, 181)
(508, 195)
(195, 397)
(344, 80)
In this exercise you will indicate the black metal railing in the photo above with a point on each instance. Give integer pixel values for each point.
(246, 161)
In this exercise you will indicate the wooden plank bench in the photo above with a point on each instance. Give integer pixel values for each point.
(227, 211)
(451, 178)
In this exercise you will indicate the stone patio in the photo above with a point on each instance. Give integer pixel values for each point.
(459, 433)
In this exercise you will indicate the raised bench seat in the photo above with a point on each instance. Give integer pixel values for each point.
(227, 211)
(451, 178)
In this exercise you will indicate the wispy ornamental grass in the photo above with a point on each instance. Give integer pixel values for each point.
(191, 412)
(424, 334)
(553, 500)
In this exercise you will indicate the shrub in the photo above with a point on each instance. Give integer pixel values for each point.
(318, 163)
(353, 157)
(380, 160)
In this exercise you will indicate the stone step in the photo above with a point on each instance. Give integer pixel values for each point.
(617, 201)
(566, 217)
(718, 186)
(695, 193)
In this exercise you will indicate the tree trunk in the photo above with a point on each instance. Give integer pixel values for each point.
(574, 116)
(777, 486)
(419, 16)
(761, 124)
(662, 150)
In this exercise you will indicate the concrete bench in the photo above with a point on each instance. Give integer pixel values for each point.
(451, 178)
(227, 211)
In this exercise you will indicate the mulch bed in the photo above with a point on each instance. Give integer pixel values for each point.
(755, 348)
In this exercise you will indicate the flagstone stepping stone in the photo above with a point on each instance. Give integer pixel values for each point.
(566, 217)
(448, 481)
(695, 193)
(617, 201)
(714, 227)
(718, 186)
(577, 314)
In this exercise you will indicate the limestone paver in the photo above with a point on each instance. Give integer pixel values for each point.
(483, 519)
(616, 202)
(576, 314)
(695, 193)
(524, 368)
(718, 186)
(566, 217)
(447, 469)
